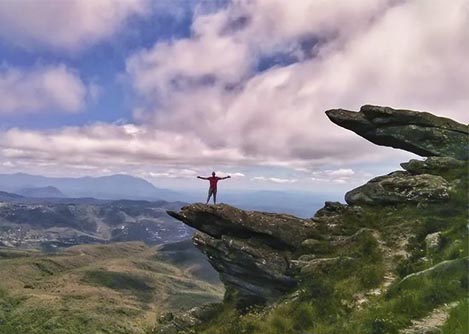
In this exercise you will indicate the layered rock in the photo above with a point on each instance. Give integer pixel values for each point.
(251, 250)
(418, 132)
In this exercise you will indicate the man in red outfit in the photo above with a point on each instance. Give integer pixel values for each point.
(212, 190)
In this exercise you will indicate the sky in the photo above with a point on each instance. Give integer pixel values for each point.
(171, 89)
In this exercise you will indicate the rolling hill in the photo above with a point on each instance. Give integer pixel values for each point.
(116, 288)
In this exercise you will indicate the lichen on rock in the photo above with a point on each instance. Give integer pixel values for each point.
(398, 187)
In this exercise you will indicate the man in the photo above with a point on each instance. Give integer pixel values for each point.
(212, 190)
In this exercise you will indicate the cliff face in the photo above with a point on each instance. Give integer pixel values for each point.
(395, 229)
(251, 250)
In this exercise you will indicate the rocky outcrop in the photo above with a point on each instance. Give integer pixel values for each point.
(443, 140)
(386, 224)
(174, 323)
(418, 132)
(432, 165)
(258, 254)
(251, 250)
(219, 220)
(399, 187)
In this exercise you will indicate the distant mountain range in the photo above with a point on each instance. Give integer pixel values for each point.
(103, 187)
(6, 196)
(41, 192)
(88, 189)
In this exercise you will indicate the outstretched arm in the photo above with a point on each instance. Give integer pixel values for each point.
(224, 178)
(203, 178)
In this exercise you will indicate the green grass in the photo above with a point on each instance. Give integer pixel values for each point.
(322, 306)
(116, 280)
(117, 288)
(458, 322)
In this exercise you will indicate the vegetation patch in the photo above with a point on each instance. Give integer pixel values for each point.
(116, 280)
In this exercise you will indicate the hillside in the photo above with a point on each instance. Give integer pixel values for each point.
(117, 288)
(6, 196)
(393, 260)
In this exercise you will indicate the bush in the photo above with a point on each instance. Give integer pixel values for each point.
(371, 275)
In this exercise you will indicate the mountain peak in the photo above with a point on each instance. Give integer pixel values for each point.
(118, 186)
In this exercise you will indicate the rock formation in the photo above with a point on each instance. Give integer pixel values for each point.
(251, 250)
(418, 132)
(390, 223)
(399, 187)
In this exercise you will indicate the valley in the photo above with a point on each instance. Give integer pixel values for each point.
(116, 288)
(49, 224)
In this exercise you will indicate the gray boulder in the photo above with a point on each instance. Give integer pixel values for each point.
(400, 187)
(456, 270)
(183, 322)
(432, 165)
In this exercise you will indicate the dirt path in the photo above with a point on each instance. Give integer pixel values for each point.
(389, 275)
(434, 320)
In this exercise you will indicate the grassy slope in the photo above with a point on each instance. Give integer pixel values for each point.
(353, 297)
(117, 288)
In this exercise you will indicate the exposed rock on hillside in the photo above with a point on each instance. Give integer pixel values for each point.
(218, 220)
(418, 132)
(398, 247)
(432, 165)
(251, 250)
(400, 187)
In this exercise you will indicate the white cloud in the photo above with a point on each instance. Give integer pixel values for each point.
(339, 181)
(69, 25)
(203, 58)
(203, 102)
(108, 144)
(340, 176)
(273, 179)
(402, 54)
(235, 174)
(8, 164)
(173, 173)
(56, 88)
(342, 172)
